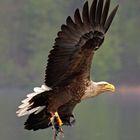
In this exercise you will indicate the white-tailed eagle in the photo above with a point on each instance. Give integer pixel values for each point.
(67, 80)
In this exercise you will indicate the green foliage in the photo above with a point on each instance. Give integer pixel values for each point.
(28, 29)
(106, 62)
(129, 37)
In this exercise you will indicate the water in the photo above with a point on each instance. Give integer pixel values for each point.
(106, 117)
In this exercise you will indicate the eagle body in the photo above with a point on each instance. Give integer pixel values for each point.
(67, 75)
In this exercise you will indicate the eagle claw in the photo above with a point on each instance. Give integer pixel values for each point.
(56, 125)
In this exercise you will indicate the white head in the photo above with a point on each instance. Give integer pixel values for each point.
(103, 87)
(96, 88)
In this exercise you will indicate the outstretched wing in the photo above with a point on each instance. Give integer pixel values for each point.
(76, 43)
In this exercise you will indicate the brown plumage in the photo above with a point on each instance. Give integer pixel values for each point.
(67, 79)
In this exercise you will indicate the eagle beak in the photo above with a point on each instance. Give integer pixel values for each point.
(110, 87)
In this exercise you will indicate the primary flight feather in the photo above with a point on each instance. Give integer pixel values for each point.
(67, 75)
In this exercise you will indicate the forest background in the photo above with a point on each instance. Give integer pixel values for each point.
(28, 29)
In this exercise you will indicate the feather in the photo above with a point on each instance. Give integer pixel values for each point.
(85, 14)
(31, 94)
(46, 88)
(110, 18)
(70, 23)
(69, 32)
(25, 112)
(25, 107)
(105, 12)
(26, 100)
(93, 13)
(99, 12)
(39, 109)
(38, 90)
(77, 18)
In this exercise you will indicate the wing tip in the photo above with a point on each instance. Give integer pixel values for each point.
(110, 18)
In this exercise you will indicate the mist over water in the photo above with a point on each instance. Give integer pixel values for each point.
(108, 117)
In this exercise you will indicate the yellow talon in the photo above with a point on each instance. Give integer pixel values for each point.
(58, 119)
(56, 125)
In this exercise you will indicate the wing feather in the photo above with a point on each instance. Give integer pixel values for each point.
(105, 12)
(77, 18)
(93, 13)
(110, 18)
(85, 14)
(74, 46)
(99, 12)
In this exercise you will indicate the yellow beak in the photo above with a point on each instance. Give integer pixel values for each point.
(110, 87)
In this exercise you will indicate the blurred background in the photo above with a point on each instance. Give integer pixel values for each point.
(27, 32)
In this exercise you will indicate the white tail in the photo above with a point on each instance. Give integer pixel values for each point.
(24, 107)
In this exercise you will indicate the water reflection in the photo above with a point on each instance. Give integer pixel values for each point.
(107, 117)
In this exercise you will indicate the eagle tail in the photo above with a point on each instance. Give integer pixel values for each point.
(38, 121)
(35, 102)
(35, 105)
(42, 120)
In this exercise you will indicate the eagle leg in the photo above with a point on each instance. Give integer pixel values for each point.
(56, 125)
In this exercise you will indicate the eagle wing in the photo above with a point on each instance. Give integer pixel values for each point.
(70, 55)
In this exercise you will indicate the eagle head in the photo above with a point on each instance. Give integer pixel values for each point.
(104, 87)
(96, 88)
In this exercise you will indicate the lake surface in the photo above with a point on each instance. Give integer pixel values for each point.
(106, 117)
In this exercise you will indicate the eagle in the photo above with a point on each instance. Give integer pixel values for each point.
(67, 75)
